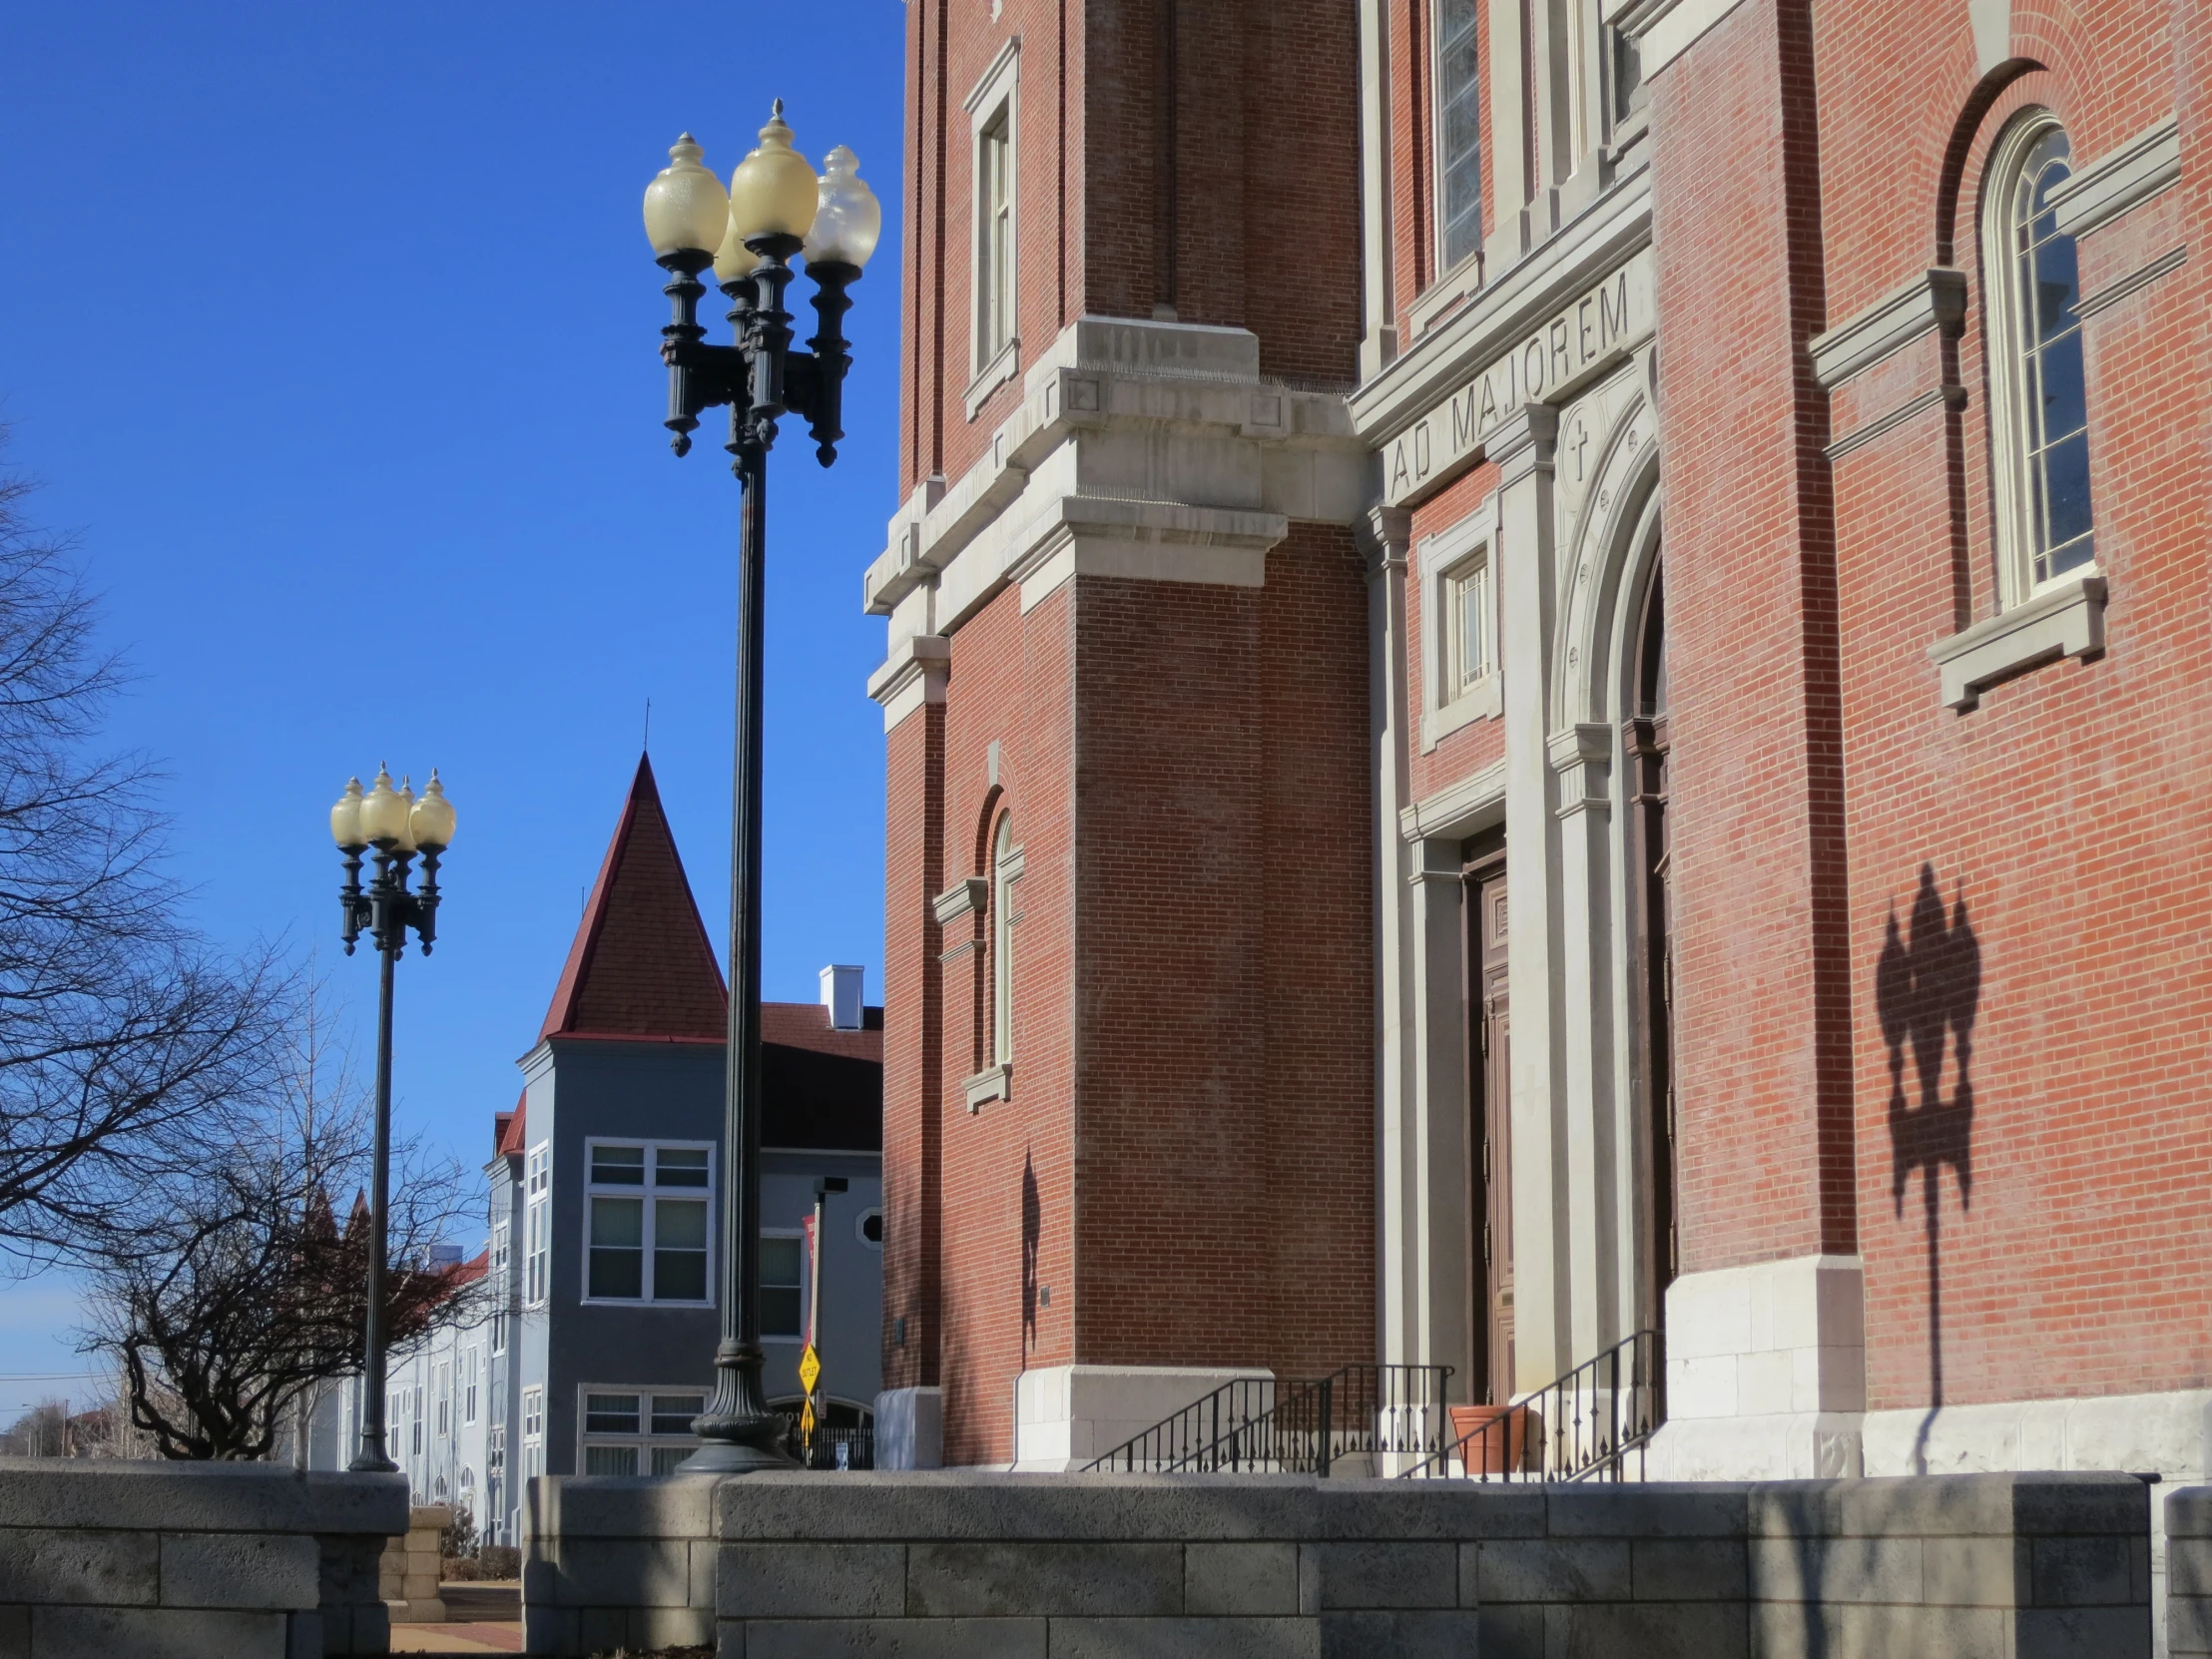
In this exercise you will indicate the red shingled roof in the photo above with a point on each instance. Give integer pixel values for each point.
(641, 966)
(508, 1128)
(806, 1025)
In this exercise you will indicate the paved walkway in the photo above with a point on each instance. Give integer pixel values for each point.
(487, 1618)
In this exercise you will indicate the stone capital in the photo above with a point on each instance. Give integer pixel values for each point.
(1525, 443)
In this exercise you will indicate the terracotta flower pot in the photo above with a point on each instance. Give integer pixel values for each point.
(1493, 1439)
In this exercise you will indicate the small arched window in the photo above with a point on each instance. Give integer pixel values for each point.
(1005, 873)
(2038, 403)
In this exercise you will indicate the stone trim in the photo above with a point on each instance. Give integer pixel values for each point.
(966, 896)
(2140, 277)
(994, 1084)
(992, 376)
(915, 673)
(1665, 29)
(1928, 299)
(1615, 228)
(2066, 619)
(1882, 424)
(2108, 187)
(1457, 809)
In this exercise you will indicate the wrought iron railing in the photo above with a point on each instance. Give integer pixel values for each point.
(859, 1444)
(1591, 1424)
(1356, 1419)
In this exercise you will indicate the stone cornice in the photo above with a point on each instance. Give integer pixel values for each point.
(2107, 188)
(1927, 300)
(1613, 227)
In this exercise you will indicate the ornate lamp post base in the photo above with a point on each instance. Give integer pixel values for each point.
(739, 1434)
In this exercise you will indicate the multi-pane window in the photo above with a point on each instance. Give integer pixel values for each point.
(533, 1432)
(995, 244)
(1459, 135)
(640, 1431)
(2038, 409)
(1465, 593)
(471, 1362)
(646, 1207)
(537, 1241)
(443, 1391)
(501, 1243)
(782, 1273)
(1006, 867)
(414, 1420)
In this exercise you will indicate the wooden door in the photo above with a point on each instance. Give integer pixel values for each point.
(1489, 1132)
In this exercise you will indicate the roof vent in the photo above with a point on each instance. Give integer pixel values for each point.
(841, 994)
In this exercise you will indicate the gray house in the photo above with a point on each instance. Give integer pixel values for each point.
(603, 1264)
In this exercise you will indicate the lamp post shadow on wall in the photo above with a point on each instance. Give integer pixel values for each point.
(775, 208)
(394, 826)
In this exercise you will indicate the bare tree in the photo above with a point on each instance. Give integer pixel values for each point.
(234, 1291)
(120, 1032)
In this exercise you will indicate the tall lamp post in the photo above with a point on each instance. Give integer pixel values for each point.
(775, 208)
(394, 826)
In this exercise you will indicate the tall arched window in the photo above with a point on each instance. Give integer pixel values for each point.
(1005, 872)
(2038, 403)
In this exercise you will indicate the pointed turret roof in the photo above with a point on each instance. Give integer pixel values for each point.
(641, 966)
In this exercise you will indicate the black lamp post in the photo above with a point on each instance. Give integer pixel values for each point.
(775, 208)
(394, 826)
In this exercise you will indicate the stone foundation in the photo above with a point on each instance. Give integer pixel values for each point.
(1969, 1567)
(193, 1560)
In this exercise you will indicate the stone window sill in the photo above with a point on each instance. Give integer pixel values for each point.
(988, 1085)
(992, 376)
(2062, 621)
(1479, 703)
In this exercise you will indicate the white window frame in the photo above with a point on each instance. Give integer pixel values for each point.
(996, 100)
(474, 1359)
(1006, 873)
(647, 1193)
(537, 1260)
(502, 1267)
(441, 1391)
(1471, 260)
(1443, 560)
(645, 1440)
(2005, 336)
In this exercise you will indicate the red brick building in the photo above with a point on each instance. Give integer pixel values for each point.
(1547, 678)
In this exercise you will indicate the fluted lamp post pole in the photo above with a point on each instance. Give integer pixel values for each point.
(775, 208)
(396, 828)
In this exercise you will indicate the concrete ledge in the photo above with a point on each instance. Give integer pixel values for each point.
(220, 1560)
(969, 1563)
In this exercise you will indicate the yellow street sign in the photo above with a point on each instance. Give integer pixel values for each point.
(810, 1369)
(807, 1423)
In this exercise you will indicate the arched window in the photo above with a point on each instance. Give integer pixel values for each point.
(1005, 872)
(2038, 402)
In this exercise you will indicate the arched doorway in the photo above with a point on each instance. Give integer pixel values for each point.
(1646, 743)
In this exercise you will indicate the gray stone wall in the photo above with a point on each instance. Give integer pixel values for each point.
(2189, 1573)
(192, 1560)
(2000, 1566)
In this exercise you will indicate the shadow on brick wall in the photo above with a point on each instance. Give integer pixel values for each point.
(1927, 990)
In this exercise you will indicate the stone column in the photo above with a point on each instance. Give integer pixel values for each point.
(1522, 447)
(1581, 760)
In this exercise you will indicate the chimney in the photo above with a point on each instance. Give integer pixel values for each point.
(841, 994)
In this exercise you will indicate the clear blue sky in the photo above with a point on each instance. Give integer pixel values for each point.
(333, 332)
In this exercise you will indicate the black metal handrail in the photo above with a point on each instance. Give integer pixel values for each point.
(1591, 1424)
(1258, 1426)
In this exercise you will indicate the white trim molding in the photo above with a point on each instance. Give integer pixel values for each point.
(1928, 299)
(1473, 803)
(2065, 619)
(966, 896)
(1665, 29)
(1439, 557)
(2108, 187)
(915, 673)
(993, 1083)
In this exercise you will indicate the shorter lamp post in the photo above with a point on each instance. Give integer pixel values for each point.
(811, 1373)
(395, 827)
